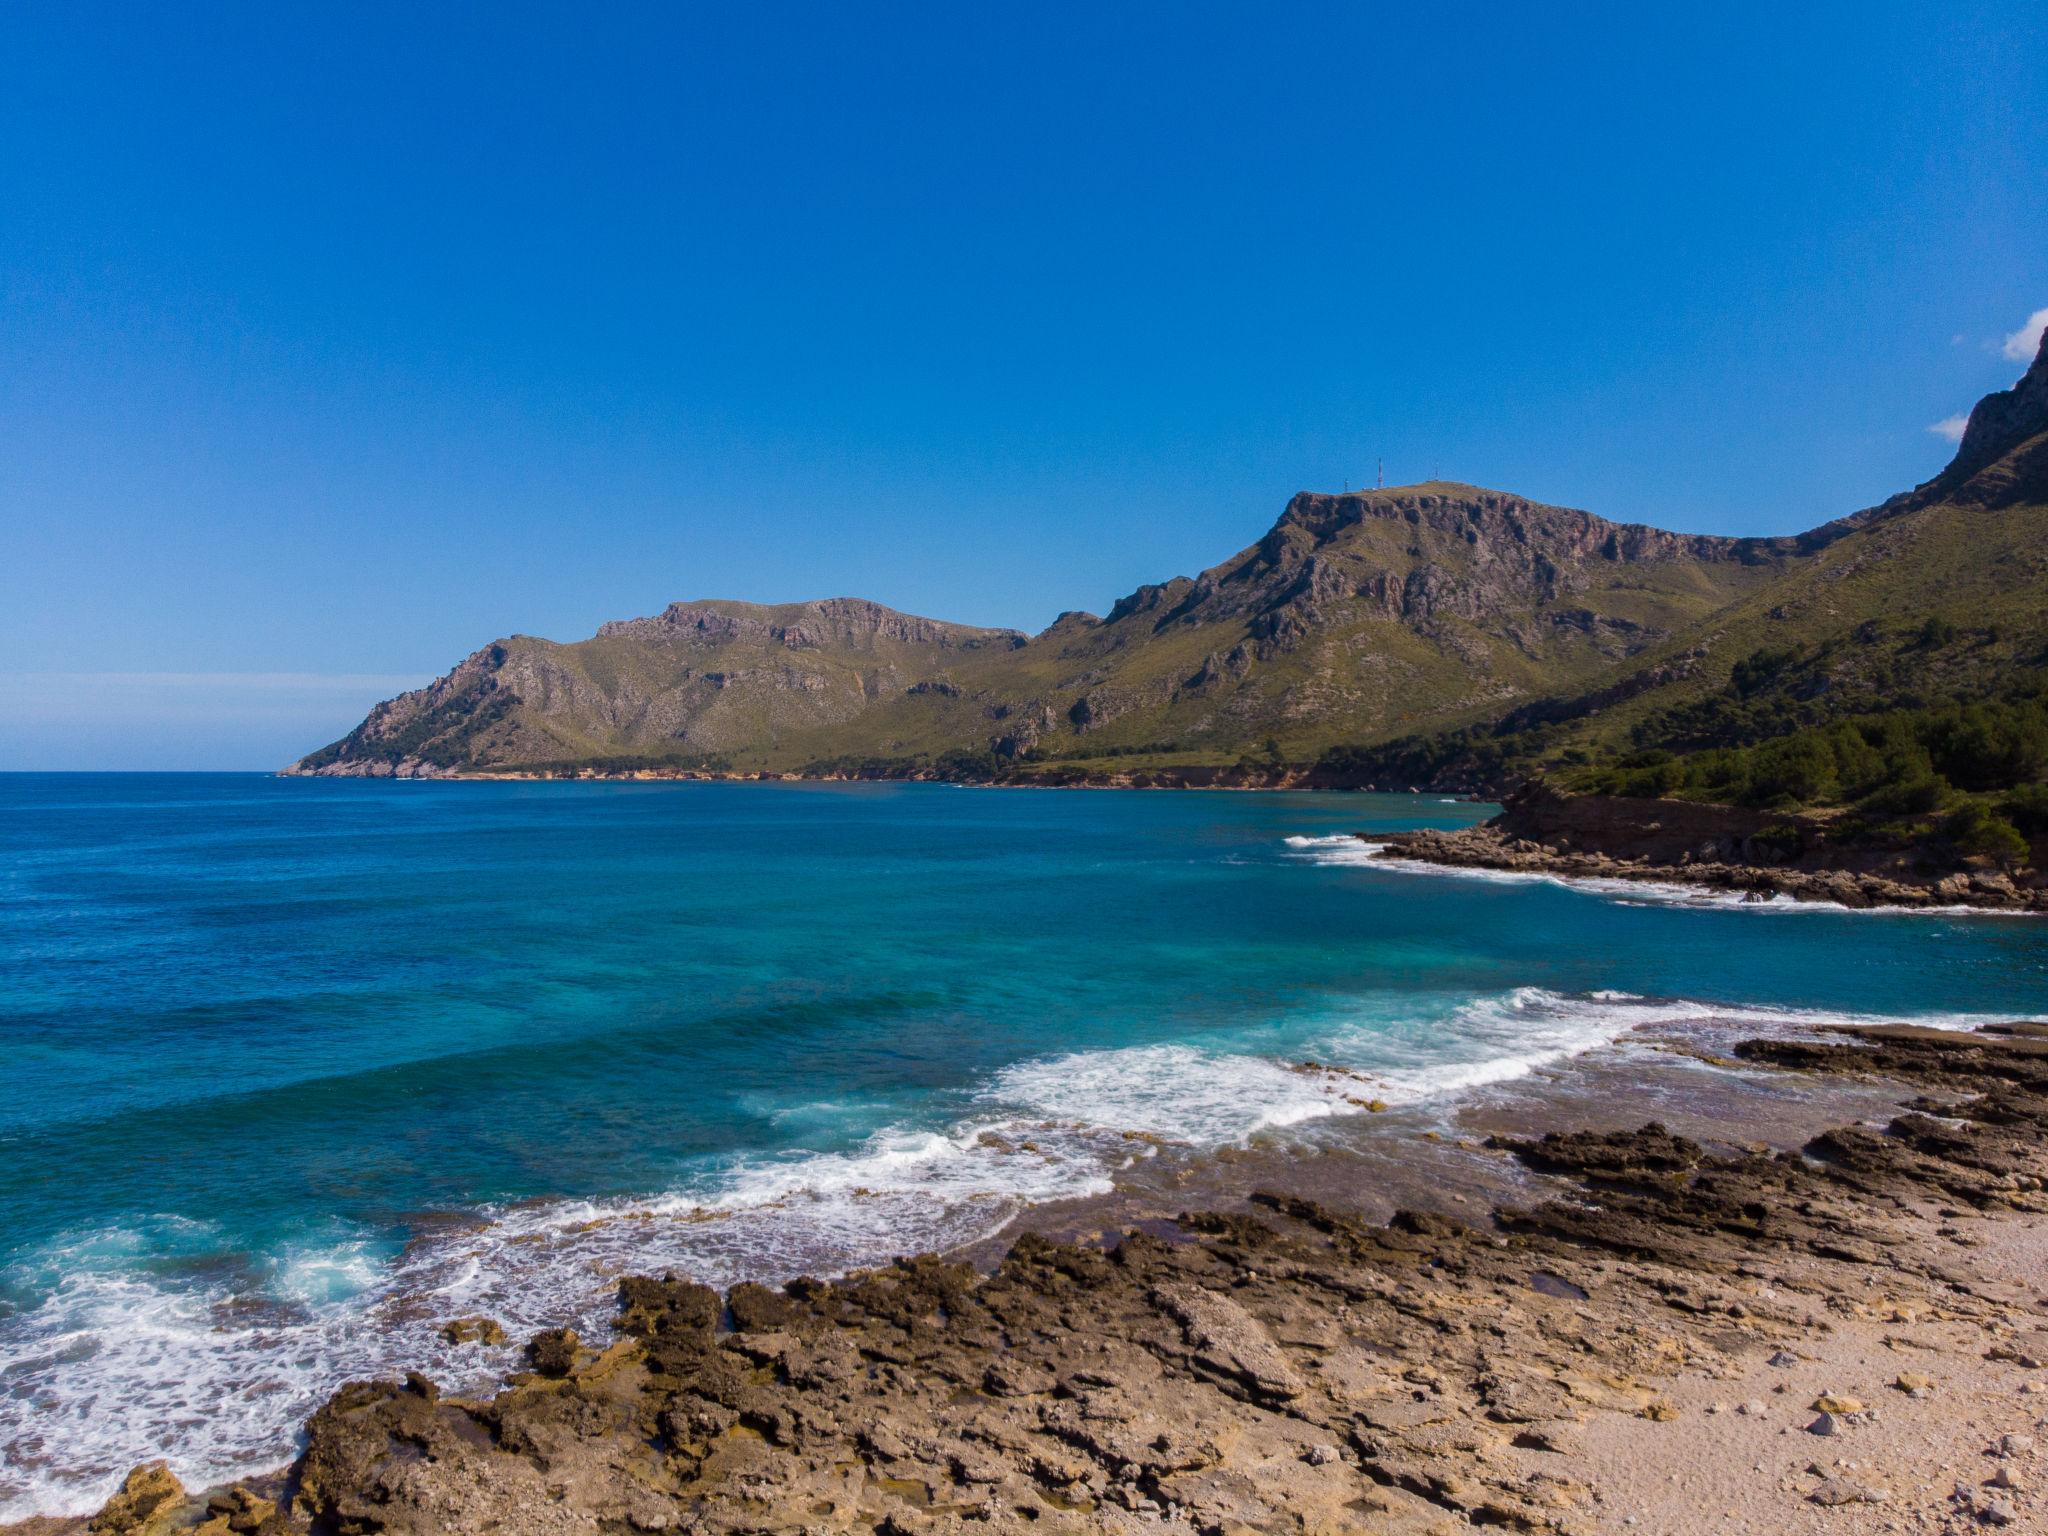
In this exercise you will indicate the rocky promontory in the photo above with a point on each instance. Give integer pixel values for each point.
(1757, 854)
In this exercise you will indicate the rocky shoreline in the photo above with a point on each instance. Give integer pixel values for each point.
(1715, 848)
(1861, 1321)
(1252, 776)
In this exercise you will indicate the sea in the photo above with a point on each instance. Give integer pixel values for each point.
(298, 1070)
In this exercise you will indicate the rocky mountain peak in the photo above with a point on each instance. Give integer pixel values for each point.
(1494, 524)
(2004, 420)
(1986, 470)
(826, 623)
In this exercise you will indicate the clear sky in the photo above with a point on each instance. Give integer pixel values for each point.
(337, 341)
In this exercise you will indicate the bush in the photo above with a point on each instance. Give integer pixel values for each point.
(1902, 762)
(1989, 746)
(1794, 770)
(1759, 669)
(1978, 830)
(1912, 796)
(1935, 633)
(2027, 809)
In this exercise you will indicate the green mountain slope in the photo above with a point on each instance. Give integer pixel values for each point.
(1936, 596)
(1472, 630)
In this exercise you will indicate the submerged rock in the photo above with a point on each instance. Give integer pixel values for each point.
(474, 1330)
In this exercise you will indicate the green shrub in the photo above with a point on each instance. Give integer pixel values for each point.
(1794, 770)
(1912, 796)
(1901, 762)
(1759, 669)
(1935, 633)
(1977, 829)
(2027, 809)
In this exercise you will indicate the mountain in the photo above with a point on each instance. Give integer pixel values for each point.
(1370, 633)
(1938, 594)
(688, 686)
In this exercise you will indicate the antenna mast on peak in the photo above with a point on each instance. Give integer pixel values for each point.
(1383, 475)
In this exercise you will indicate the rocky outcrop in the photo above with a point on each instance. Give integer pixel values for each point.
(1420, 554)
(149, 1504)
(1718, 847)
(2003, 421)
(834, 623)
(1659, 831)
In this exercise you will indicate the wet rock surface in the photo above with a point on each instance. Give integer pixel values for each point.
(1295, 1367)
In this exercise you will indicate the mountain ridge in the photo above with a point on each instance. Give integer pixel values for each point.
(1357, 619)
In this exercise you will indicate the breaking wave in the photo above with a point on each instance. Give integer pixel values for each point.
(213, 1362)
(1345, 849)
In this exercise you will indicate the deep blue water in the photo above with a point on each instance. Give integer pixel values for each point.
(298, 1068)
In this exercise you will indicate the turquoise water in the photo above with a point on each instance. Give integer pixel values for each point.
(300, 1068)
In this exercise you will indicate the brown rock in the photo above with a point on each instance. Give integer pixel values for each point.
(1016, 1378)
(1837, 1491)
(553, 1352)
(1228, 1339)
(1205, 1379)
(238, 1512)
(149, 1503)
(474, 1330)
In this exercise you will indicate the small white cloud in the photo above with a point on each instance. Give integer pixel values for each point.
(1951, 427)
(2023, 343)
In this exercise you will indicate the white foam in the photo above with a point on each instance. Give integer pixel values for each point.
(117, 1364)
(120, 1363)
(1347, 849)
(1172, 1092)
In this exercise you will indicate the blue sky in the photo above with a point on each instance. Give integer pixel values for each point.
(337, 342)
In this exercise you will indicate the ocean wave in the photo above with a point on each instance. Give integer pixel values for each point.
(1345, 849)
(126, 1357)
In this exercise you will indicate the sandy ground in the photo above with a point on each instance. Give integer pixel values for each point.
(1738, 1457)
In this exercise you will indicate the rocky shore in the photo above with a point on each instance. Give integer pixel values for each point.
(1717, 848)
(1666, 1337)
(1105, 775)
